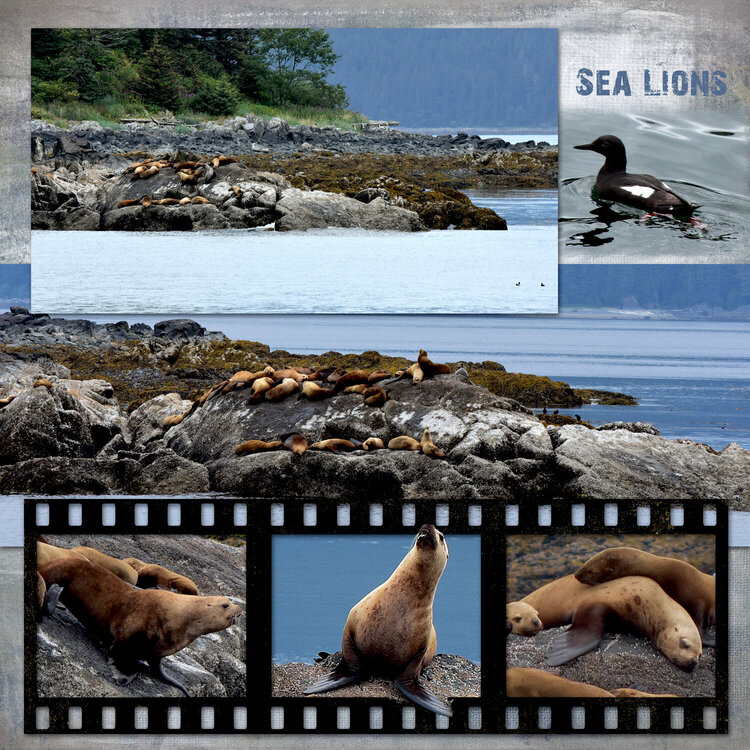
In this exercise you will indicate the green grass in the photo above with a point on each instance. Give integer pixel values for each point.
(108, 112)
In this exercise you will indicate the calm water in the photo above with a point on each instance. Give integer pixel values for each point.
(524, 207)
(311, 602)
(326, 271)
(703, 159)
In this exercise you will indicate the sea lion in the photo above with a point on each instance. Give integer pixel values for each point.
(335, 445)
(184, 201)
(523, 682)
(149, 172)
(296, 443)
(334, 376)
(121, 569)
(429, 367)
(404, 443)
(257, 446)
(43, 383)
(694, 590)
(45, 552)
(260, 386)
(377, 376)
(199, 199)
(221, 160)
(390, 632)
(136, 624)
(236, 190)
(290, 372)
(5, 401)
(632, 693)
(375, 396)
(173, 419)
(129, 202)
(360, 388)
(429, 448)
(287, 388)
(315, 392)
(187, 177)
(168, 202)
(146, 201)
(637, 601)
(351, 378)
(240, 379)
(46, 598)
(373, 444)
(158, 577)
(187, 165)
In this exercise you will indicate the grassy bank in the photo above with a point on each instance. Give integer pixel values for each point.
(110, 110)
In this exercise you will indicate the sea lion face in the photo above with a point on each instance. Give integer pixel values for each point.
(523, 618)
(431, 542)
(682, 646)
(216, 612)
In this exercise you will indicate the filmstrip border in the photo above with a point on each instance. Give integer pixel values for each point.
(259, 712)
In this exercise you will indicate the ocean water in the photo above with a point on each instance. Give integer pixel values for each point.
(703, 156)
(326, 271)
(692, 377)
(310, 603)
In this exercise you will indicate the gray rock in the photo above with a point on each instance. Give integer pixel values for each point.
(145, 423)
(164, 218)
(315, 209)
(643, 427)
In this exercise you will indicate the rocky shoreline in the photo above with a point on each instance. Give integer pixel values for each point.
(288, 178)
(95, 426)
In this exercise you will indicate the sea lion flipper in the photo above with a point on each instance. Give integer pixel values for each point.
(583, 635)
(709, 639)
(51, 599)
(421, 696)
(159, 670)
(332, 680)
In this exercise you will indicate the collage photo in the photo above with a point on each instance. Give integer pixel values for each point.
(327, 332)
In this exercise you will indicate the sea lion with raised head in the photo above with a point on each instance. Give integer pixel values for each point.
(136, 624)
(404, 443)
(429, 448)
(390, 632)
(694, 590)
(157, 577)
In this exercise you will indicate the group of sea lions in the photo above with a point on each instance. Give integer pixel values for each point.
(141, 611)
(668, 600)
(298, 444)
(270, 384)
(188, 171)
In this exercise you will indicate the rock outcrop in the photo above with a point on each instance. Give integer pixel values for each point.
(71, 663)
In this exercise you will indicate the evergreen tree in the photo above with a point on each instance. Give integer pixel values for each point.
(158, 82)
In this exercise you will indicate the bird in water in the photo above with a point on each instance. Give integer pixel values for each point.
(642, 191)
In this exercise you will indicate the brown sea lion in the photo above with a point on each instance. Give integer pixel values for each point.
(45, 552)
(236, 190)
(390, 632)
(404, 443)
(184, 201)
(155, 576)
(168, 202)
(239, 380)
(290, 372)
(199, 199)
(146, 201)
(5, 401)
(287, 388)
(373, 444)
(429, 448)
(149, 172)
(122, 570)
(335, 445)
(377, 376)
(260, 386)
(334, 376)
(632, 693)
(129, 202)
(315, 392)
(221, 160)
(173, 419)
(638, 602)
(429, 367)
(43, 383)
(375, 396)
(522, 682)
(296, 443)
(187, 165)
(257, 446)
(694, 590)
(136, 624)
(187, 177)
(351, 378)
(360, 388)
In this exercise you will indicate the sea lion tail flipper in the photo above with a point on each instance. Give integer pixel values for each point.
(51, 599)
(421, 696)
(583, 635)
(338, 678)
(159, 670)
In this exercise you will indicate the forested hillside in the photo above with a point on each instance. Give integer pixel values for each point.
(431, 78)
(211, 71)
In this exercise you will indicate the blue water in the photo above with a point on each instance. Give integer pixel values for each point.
(692, 376)
(524, 207)
(310, 602)
(702, 156)
(325, 271)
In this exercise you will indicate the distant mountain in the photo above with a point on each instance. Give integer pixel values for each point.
(655, 287)
(431, 78)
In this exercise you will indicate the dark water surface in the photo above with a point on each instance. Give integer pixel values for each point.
(317, 579)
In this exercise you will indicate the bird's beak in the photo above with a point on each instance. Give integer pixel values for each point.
(585, 147)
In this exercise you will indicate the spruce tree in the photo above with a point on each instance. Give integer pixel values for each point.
(158, 81)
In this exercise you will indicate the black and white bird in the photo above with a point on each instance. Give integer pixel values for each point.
(642, 191)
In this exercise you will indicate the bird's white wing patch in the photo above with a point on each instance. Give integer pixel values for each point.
(640, 190)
